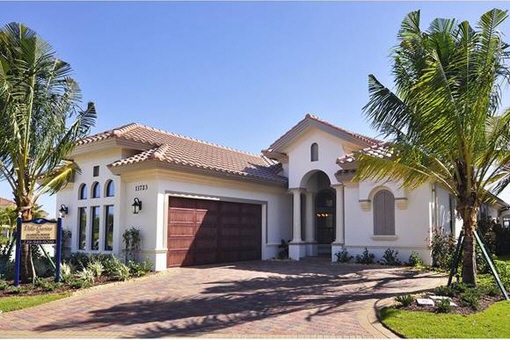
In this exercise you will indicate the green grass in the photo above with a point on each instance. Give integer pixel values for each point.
(491, 323)
(11, 303)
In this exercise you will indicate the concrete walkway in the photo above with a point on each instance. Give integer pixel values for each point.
(312, 298)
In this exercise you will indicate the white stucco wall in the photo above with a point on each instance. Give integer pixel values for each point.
(330, 148)
(69, 197)
(412, 220)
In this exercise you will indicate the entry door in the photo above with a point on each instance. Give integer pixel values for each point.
(325, 217)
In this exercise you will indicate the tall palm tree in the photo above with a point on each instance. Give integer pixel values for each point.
(442, 121)
(40, 119)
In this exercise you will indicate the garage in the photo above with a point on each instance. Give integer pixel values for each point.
(210, 231)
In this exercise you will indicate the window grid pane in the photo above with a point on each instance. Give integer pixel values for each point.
(95, 228)
(82, 233)
(109, 222)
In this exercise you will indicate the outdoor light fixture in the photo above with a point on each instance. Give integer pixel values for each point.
(63, 210)
(137, 205)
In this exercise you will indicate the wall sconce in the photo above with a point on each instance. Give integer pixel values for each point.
(137, 205)
(63, 210)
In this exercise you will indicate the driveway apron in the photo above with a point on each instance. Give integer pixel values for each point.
(312, 298)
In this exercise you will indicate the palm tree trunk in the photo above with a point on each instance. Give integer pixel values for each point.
(26, 273)
(468, 247)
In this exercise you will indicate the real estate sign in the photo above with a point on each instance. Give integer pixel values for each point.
(32, 233)
(37, 232)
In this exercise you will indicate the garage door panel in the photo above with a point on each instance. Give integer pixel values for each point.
(204, 232)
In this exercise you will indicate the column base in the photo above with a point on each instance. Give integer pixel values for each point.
(297, 250)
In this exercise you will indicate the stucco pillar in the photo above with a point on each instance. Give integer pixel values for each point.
(297, 248)
(311, 244)
(339, 213)
(309, 232)
(296, 216)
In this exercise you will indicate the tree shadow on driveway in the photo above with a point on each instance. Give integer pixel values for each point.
(224, 303)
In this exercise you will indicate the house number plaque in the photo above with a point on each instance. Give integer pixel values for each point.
(141, 187)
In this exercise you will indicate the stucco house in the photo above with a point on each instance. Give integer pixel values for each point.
(197, 203)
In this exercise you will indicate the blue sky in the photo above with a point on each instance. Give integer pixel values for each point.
(234, 73)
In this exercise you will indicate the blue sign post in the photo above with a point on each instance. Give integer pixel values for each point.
(38, 231)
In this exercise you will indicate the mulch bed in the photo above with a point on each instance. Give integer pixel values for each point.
(484, 302)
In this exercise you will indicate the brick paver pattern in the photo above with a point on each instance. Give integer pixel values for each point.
(311, 298)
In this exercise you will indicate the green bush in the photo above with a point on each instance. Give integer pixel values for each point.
(16, 290)
(3, 285)
(121, 272)
(444, 291)
(365, 258)
(78, 284)
(46, 285)
(138, 269)
(66, 272)
(96, 267)
(443, 306)
(85, 275)
(404, 300)
(442, 246)
(343, 256)
(390, 258)
(415, 260)
(470, 298)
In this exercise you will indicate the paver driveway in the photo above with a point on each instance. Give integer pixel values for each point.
(309, 298)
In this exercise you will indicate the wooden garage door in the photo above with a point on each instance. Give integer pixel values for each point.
(203, 231)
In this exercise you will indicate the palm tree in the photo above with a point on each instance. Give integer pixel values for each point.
(442, 122)
(38, 100)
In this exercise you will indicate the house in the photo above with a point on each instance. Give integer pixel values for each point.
(197, 203)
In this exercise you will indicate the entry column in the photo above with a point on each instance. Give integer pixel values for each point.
(311, 244)
(339, 213)
(296, 246)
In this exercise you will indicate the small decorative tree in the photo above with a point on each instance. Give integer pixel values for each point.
(132, 242)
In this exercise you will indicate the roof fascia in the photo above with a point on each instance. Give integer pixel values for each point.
(307, 124)
(156, 164)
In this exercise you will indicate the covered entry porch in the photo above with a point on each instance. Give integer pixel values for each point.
(318, 217)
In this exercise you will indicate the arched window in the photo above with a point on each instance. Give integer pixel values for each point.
(384, 213)
(96, 190)
(82, 193)
(314, 152)
(110, 189)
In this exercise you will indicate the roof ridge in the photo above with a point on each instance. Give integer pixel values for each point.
(197, 140)
(354, 134)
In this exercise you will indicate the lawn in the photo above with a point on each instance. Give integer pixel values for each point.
(491, 323)
(11, 303)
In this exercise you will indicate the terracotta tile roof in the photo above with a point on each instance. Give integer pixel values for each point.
(179, 150)
(309, 118)
(380, 150)
(6, 203)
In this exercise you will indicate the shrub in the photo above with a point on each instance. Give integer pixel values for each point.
(365, 258)
(470, 299)
(85, 275)
(66, 272)
(138, 269)
(503, 269)
(343, 256)
(390, 258)
(283, 253)
(444, 291)
(45, 285)
(77, 284)
(121, 272)
(79, 260)
(404, 300)
(415, 260)
(3, 285)
(443, 306)
(96, 267)
(16, 290)
(442, 246)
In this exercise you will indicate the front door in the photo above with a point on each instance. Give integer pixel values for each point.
(325, 220)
